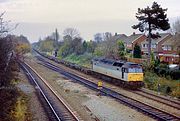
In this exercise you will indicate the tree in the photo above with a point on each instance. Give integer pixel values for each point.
(176, 26)
(176, 38)
(64, 50)
(55, 38)
(56, 35)
(110, 45)
(137, 51)
(46, 45)
(77, 45)
(91, 45)
(8, 73)
(98, 37)
(151, 19)
(84, 46)
(121, 49)
(21, 45)
(4, 28)
(71, 32)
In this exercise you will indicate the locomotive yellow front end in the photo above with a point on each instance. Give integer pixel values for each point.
(135, 73)
(135, 76)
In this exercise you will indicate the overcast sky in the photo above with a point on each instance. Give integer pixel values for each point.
(38, 18)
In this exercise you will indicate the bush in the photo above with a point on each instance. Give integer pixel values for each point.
(175, 74)
(83, 60)
(167, 86)
(150, 80)
(163, 70)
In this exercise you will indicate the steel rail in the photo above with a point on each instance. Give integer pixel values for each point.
(45, 97)
(157, 98)
(54, 92)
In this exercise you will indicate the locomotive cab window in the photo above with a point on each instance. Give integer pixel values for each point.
(118, 64)
(124, 70)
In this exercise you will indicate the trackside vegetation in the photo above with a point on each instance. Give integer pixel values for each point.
(13, 101)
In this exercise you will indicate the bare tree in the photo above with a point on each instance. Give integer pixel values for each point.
(4, 26)
(98, 37)
(71, 32)
(176, 44)
(110, 45)
(176, 26)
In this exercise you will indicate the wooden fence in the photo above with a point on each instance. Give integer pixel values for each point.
(137, 60)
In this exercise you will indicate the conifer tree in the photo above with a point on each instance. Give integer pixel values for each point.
(151, 19)
(137, 51)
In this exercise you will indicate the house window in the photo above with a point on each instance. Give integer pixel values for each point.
(145, 45)
(169, 47)
(164, 47)
(153, 45)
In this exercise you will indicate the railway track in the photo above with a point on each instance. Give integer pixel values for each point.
(158, 98)
(59, 109)
(142, 107)
(144, 93)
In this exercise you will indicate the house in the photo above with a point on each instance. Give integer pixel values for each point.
(134, 39)
(161, 47)
(130, 41)
(168, 52)
(121, 37)
(156, 44)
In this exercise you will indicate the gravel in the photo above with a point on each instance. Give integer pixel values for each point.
(107, 109)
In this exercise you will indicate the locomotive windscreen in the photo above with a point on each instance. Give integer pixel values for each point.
(135, 68)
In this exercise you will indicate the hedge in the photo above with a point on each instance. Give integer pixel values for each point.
(174, 74)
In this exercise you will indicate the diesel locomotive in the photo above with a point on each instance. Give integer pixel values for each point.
(124, 73)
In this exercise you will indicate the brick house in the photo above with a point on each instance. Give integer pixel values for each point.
(161, 47)
(133, 39)
(168, 53)
(156, 44)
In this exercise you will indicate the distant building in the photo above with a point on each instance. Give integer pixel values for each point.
(133, 39)
(168, 53)
(156, 44)
(161, 47)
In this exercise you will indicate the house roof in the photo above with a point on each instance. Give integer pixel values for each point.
(169, 41)
(127, 39)
(163, 35)
(133, 37)
(119, 37)
(156, 41)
